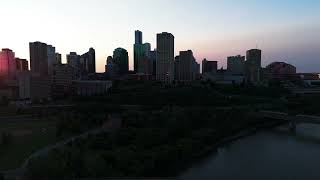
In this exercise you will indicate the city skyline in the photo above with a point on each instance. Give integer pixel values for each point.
(215, 31)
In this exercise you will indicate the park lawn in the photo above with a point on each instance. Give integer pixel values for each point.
(28, 138)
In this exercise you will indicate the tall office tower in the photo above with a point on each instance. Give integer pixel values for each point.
(138, 49)
(185, 65)
(138, 37)
(88, 62)
(51, 53)
(197, 69)
(236, 65)
(209, 66)
(62, 80)
(73, 60)
(111, 68)
(8, 67)
(153, 61)
(144, 61)
(253, 66)
(121, 58)
(165, 57)
(58, 58)
(147, 49)
(22, 65)
(39, 58)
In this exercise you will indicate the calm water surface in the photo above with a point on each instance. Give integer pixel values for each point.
(268, 155)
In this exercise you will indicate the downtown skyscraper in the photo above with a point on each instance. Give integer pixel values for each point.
(39, 58)
(138, 49)
(186, 67)
(143, 63)
(165, 57)
(8, 67)
(88, 63)
(121, 59)
(253, 66)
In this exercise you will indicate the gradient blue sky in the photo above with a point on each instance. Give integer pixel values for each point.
(286, 30)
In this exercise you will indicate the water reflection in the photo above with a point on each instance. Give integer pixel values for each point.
(274, 154)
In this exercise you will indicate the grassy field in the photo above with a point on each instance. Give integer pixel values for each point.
(27, 138)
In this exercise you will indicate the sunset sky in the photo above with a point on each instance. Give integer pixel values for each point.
(286, 30)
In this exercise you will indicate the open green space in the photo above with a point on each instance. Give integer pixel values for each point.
(27, 137)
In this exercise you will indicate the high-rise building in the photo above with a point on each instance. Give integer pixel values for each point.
(62, 80)
(236, 65)
(185, 66)
(121, 58)
(139, 50)
(22, 65)
(209, 66)
(111, 68)
(145, 64)
(138, 37)
(58, 58)
(138, 54)
(42, 58)
(7, 65)
(197, 70)
(51, 53)
(165, 57)
(253, 66)
(88, 62)
(73, 60)
(153, 60)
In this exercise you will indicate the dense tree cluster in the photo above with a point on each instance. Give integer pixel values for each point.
(151, 144)
(165, 128)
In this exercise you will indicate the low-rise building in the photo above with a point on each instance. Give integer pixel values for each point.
(280, 71)
(91, 88)
(223, 77)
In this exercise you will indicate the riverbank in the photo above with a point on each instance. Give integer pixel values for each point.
(241, 133)
(160, 143)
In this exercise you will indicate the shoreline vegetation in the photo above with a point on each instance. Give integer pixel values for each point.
(164, 130)
(151, 144)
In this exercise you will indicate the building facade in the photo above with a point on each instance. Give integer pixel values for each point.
(280, 71)
(185, 66)
(111, 68)
(137, 48)
(121, 59)
(58, 58)
(253, 66)
(39, 62)
(236, 64)
(62, 80)
(22, 65)
(51, 53)
(73, 60)
(91, 88)
(8, 66)
(165, 57)
(88, 63)
(209, 66)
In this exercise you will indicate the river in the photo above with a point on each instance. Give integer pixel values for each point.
(267, 155)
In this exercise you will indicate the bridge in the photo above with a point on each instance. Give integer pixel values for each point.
(293, 120)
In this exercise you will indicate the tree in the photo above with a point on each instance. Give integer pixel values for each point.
(1, 176)
(6, 138)
(4, 101)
